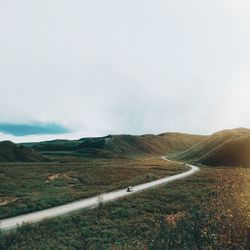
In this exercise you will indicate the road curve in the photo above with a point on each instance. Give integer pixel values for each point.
(10, 223)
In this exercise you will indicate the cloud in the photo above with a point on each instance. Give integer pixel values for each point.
(101, 67)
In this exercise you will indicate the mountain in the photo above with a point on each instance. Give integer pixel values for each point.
(224, 148)
(120, 145)
(10, 152)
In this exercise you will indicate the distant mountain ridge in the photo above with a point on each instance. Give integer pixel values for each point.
(223, 148)
(120, 145)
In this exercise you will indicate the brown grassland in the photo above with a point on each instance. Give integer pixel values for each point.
(209, 210)
(27, 187)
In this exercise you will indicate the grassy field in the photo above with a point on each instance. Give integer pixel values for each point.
(206, 211)
(27, 187)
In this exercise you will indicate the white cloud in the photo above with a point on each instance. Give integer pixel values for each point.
(103, 67)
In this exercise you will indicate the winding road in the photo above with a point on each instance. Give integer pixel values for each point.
(10, 223)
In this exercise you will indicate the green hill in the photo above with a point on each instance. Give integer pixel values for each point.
(119, 145)
(225, 148)
(10, 152)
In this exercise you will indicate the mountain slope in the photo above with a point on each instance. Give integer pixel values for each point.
(226, 148)
(120, 145)
(10, 152)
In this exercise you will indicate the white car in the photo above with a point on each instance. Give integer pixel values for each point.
(129, 189)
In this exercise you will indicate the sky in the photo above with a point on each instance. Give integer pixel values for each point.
(92, 68)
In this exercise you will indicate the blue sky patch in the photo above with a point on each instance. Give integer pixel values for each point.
(32, 129)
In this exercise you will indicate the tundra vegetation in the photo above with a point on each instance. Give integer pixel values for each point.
(206, 211)
(28, 187)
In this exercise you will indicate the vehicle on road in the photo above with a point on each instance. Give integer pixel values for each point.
(129, 189)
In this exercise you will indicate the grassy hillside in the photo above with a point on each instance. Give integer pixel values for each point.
(10, 152)
(116, 146)
(225, 148)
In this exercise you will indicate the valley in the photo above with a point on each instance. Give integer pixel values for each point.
(179, 214)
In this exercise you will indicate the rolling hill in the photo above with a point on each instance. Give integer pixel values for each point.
(224, 148)
(10, 152)
(113, 146)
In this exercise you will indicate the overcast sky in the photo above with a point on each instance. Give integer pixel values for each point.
(105, 67)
